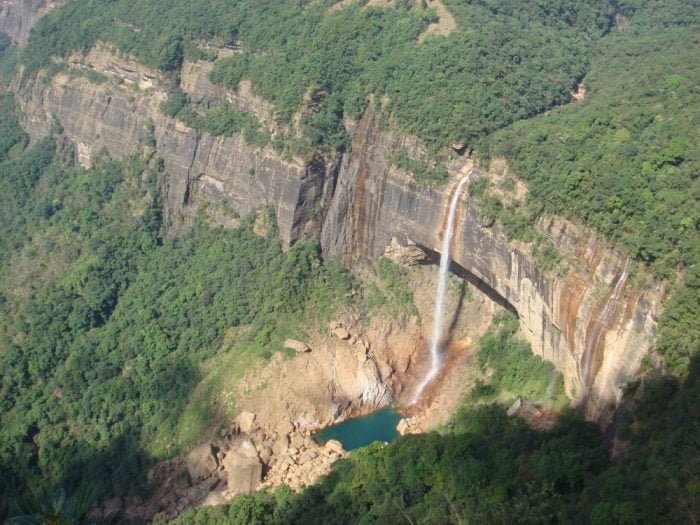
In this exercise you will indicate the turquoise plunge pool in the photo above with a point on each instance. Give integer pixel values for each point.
(361, 431)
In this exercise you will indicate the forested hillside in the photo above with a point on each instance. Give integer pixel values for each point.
(105, 326)
(511, 61)
(114, 337)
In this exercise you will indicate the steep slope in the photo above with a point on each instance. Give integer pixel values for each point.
(357, 204)
(351, 153)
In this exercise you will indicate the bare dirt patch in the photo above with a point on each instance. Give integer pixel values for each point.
(444, 25)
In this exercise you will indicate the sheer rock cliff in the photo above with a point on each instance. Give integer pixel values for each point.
(591, 320)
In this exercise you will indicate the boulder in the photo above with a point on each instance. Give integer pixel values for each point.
(246, 448)
(298, 346)
(365, 343)
(515, 407)
(265, 454)
(243, 470)
(334, 446)
(402, 427)
(284, 426)
(201, 462)
(246, 422)
(341, 333)
(280, 446)
(214, 498)
(307, 456)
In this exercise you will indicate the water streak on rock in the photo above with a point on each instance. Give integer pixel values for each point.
(595, 337)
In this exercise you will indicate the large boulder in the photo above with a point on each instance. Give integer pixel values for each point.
(298, 346)
(333, 445)
(201, 462)
(339, 331)
(243, 468)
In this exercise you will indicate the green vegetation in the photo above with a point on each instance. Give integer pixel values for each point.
(390, 293)
(114, 339)
(488, 469)
(625, 160)
(13, 139)
(59, 508)
(679, 327)
(223, 119)
(423, 173)
(506, 61)
(8, 58)
(517, 221)
(512, 369)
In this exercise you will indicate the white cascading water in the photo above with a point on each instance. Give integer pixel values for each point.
(436, 359)
(609, 309)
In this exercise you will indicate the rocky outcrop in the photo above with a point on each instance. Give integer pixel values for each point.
(298, 346)
(359, 205)
(538, 417)
(121, 115)
(408, 255)
(201, 462)
(244, 468)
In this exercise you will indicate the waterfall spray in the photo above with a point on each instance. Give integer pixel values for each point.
(436, 359)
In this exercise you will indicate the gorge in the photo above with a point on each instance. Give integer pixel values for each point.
(364, 203)
(230, 228)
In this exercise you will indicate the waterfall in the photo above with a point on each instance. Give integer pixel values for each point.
(611, 304)
(595, 335)
(436, 359)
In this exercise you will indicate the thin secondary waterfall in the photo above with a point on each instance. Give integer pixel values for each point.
(610, 305)
(436, 359)
(596, 333)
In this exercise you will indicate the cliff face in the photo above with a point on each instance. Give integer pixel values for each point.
(119, 117)
(594, 323)
(18, 16)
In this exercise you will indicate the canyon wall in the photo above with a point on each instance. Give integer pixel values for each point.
(591, 321)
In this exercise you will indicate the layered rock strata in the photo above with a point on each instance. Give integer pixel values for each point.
(358, 205)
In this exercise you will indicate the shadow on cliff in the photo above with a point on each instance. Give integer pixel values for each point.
(433, 258)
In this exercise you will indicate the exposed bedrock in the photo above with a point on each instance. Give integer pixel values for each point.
(593, 327)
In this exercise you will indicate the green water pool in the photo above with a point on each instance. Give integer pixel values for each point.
(361, 431)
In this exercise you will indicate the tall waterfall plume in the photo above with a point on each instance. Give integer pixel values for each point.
(436, 358)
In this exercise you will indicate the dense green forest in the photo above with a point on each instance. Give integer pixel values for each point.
(106, 328)
(514, 61)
